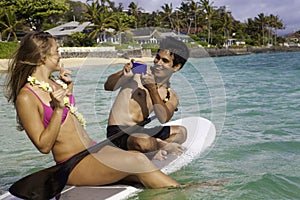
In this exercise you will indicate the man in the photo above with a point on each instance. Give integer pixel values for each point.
(141, 94)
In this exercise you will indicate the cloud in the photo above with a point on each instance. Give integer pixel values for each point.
(285, 10)
(152, 5)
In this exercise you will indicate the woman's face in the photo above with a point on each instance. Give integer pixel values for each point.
(53, 58)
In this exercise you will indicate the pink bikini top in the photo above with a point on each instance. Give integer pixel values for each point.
(48, 110)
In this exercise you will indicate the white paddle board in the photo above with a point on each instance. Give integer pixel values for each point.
(200, 135)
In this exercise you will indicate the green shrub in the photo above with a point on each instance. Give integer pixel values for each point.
(79, 40)
(152, 46)
(204, 44)
(7, 49)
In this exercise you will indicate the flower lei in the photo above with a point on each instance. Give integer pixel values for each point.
(46, 87)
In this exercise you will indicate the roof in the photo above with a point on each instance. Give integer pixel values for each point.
(142, 32)
(294, 35)
(68, 28)
(147, 33)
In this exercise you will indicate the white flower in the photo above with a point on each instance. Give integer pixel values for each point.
(46, 86)
(31, 79)
(66, 101)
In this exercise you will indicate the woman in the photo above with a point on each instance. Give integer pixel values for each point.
(45, 111)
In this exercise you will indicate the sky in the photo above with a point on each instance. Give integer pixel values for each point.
(287, 10)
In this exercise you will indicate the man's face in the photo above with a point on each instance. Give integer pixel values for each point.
(163, 64)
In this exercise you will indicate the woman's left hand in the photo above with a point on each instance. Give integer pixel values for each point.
(58, 98)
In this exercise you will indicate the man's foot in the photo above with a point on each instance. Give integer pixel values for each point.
(211, 183)
(160, 155)
(173, 148)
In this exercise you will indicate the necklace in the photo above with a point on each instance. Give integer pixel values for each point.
(167, 98)
(46, 87)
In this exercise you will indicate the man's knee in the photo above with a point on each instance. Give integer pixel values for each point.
(142, 142)
(179, 134)
(183, 133)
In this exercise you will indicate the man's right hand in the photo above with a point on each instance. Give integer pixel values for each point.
(127, 69)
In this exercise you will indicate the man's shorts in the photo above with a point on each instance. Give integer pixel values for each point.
(162, 132)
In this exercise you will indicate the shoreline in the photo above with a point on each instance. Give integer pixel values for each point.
(79, 62)
(73, 62)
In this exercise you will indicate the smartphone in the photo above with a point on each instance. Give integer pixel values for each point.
(139, 68)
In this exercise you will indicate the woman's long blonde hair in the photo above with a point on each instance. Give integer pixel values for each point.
(32, 49)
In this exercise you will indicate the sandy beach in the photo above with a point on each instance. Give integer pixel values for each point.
(81, 62)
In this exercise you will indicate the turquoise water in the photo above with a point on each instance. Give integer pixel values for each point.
(253, 100)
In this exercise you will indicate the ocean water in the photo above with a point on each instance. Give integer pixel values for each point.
(254, 101)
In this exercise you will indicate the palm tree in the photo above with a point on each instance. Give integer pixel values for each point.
(240, 30)
(92, 10)
(191, 11)
(120, 7)
(167, 12)
(9, 23)
(196, 10)
(153, 20)
(261, 21)
(101, 17)
(225, 23)
(253, 32)
(187, 13)
(209, 11)
(122, 23)
(1, 17)
(134, 10)
(274, 23)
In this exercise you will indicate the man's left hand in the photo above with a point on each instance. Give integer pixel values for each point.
(148, 80)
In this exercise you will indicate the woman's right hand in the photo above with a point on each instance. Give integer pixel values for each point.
(65, 75)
